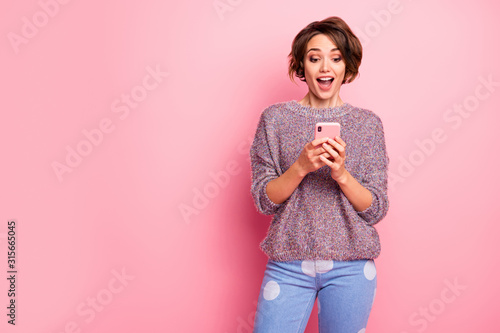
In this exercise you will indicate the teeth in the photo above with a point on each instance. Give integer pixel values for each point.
(325, 78)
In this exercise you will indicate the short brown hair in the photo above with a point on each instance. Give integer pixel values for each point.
(340, 33)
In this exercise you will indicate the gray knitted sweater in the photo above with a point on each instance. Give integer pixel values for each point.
(317, 222)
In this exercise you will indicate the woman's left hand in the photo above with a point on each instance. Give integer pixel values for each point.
(335, 149)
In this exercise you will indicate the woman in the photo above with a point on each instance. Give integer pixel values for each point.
(325, 194)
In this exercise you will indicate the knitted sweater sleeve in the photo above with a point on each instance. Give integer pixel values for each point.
(264, 164)
(375, 176)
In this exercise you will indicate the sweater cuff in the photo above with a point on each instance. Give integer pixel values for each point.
(369, 212)
(268, 203)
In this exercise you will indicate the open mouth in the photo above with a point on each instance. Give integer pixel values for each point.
(325, 82)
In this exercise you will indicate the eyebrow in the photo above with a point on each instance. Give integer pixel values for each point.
(316, 49)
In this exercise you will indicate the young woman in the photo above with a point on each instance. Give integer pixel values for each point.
(326, 195)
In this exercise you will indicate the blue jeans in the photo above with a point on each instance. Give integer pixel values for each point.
(345, 292)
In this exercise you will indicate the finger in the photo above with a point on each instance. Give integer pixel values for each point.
(336, 157)
(339, 139)
(338, 146)
(314, 148)
(330, 150)
(326, 160)
(321, 150)
(318, 142)
(335, 143)
(327, 156)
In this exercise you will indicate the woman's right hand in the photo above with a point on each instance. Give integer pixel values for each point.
(281, 188)
(309, 160)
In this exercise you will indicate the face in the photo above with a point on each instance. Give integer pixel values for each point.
(324, 68)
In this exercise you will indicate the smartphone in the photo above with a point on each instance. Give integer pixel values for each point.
(330, 130)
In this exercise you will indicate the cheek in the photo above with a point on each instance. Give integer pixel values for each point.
(307, 70)
(308, 74)
(340, 70)
(310, 69)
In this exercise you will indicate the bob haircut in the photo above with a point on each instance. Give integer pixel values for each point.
(340, 34)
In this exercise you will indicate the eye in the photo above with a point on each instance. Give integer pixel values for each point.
(337, 59)
(312, 59)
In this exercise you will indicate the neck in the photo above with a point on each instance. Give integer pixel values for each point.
(311, 100)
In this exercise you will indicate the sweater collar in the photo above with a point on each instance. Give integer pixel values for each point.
(309, 110)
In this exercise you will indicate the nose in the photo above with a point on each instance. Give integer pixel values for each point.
(324, 65)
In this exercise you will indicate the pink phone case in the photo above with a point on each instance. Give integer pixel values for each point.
(330, 130)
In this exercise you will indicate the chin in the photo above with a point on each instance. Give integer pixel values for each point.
(324, 95)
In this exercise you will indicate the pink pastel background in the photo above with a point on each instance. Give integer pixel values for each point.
(118, 210)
